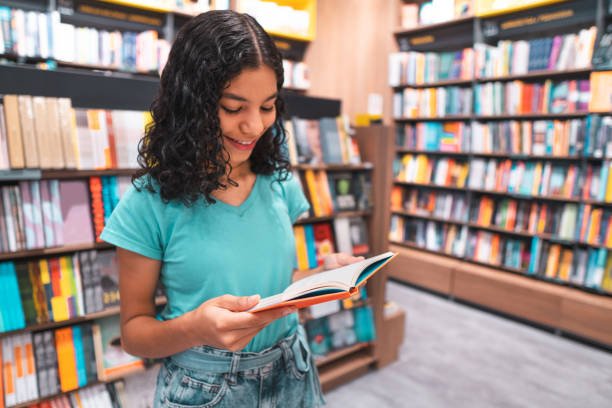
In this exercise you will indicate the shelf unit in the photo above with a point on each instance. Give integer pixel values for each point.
(569, 308)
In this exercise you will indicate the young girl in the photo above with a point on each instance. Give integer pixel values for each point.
(210, 215)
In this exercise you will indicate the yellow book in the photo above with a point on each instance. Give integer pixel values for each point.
(537, 178)
(421, 173)
(606, 283)
(323, 188)
(609, 184)
(315, 199)
(553, 261)
(300, 247)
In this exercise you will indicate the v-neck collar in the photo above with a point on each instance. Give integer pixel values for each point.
(246, 204)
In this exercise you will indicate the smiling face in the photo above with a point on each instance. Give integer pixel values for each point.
(246, 111)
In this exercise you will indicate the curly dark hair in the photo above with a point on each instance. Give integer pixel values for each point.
(182, 149)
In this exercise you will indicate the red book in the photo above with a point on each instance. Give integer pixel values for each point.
(97, 206)
(112, 148)
(324, 241)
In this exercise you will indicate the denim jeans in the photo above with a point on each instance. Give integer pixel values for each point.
(283, 375)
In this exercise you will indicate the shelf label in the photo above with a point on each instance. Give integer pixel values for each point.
(425, 39)
(119, 14)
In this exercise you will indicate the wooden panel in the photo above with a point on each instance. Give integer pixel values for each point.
(587, 315)
(344, 370)
(349, 57)
(422, 269)
(513, 294)
(390, 338)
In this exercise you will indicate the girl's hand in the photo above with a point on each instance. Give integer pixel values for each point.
(224, 322)
(336, 260)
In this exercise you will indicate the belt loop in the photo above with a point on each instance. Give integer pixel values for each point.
(233, 370)
(287, 353)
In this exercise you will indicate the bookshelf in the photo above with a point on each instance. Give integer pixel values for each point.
(498, 281)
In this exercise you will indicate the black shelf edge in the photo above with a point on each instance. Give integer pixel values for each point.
(430, 27)
(538, 74)
(47, 252)
(446, 82)
(454, 118)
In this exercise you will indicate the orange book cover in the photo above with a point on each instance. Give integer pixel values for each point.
(111, 153)
(587, 183)
(585, 222)
(566, 264)
(97, 206)
(595, 225)
(323, 190)
(542, 219)
(397, 197)
(431, 202)
(495, 249)
(511, 215)
(533, 218)
(553, 261)
(335, 284)
(66, 359)
(608, 197)
(315, 199)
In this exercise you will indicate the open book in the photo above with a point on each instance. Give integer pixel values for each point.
(322, 287)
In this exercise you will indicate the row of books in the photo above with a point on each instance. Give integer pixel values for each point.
(440, 237)
(341, 329)
(561, 52)
(434, 11)
(567, 221)
(518, 97)
(47, 133)
(432, 102)
(297, 74)
(336, 191)
(588, 267)
(431, 203)
(538, 138)
(42, 364)
(528, 178)
(585, 267)
(52, 213)
(590, 137)
(57, 289)
(35, 34)
(434, 136)
(326, 140)
(512, 176)
(418, 68)
(95, 396)
(314, 241)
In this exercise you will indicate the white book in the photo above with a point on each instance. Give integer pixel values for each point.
(43, 35)
(343, 235)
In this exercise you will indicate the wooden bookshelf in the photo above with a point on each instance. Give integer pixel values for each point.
(450, 118)
(128, 373)
(445, 82)
(345, 369)
(111, 311)
(431, 27)
(310, 220)
(540, 74)
(512, 156)
(333, 167)
(338, 354)
(72, 174)
(534, 116)
(36, 253)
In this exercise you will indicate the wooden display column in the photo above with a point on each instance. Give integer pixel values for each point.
(377, 146)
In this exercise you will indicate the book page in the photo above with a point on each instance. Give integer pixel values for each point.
(343, 278)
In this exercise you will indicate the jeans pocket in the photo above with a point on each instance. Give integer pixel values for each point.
(300, 364)
(192, 389)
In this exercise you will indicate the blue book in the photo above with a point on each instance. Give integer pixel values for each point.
(535, 255)
(330, 140)
(603, 181)
(77, 340)
(310, 246)
(590, 270)
(15, 297)
(4, 306)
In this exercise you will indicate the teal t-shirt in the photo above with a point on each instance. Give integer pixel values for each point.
(208, 250)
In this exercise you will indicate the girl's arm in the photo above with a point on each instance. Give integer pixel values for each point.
(219, 322)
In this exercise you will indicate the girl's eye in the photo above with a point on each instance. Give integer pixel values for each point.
(231, 110)
(270, 109)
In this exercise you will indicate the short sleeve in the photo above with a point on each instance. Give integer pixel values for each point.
(134, 224)
(294, 196)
